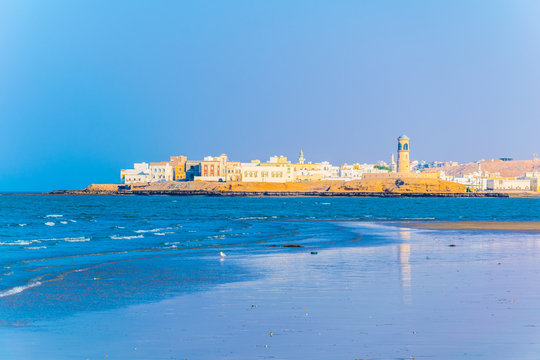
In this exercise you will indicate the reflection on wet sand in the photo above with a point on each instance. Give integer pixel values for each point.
(405, 266)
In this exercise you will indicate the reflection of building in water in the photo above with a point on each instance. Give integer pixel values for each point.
(405, 266)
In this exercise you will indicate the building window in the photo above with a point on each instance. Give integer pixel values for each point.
(399, 147)
(406, 147)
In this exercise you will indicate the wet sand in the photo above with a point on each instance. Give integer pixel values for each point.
(522, 226)
(415, 294)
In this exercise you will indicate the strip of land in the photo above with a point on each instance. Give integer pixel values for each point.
(529, 226)
(373, 187)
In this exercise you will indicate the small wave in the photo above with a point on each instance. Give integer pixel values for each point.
(77, 239)
(18, 289)
(53, 216)
(152, 230)
(73, 221)
(19, 242)
(63, 222)
(35, 247)
(119, 227)
(49, 223)
(159, 234)
(22, 225)
(117, 237)
(216, 237)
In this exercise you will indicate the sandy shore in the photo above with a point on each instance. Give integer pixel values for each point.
(529, 226)
(409, 296)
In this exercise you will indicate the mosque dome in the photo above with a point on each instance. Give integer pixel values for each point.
(403, 137)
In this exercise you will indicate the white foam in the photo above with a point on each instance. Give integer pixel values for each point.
(73, 221)
(63, 222)
(77, 239)
(159, 234)
(19, 242)
(49, 223)
(35, 247)
(33, 241)
(152, 230)
(53, 216)
(22, 224)
(18, 289)
(116, 237)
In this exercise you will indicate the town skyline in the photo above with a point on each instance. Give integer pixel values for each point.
(281, 169)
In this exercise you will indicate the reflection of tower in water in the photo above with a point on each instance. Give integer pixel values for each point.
(404, 252)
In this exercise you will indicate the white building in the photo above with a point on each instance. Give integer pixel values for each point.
(161, 171)
(139, 174)
(351, 172)
(329, 171)
(534, 176)
(355, 171)
(509, 184)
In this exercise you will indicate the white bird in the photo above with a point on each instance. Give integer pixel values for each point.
(222, 254)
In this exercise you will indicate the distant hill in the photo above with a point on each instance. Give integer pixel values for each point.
(505, 168)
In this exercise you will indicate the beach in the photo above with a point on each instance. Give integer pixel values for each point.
(360, 282)
(532, 226)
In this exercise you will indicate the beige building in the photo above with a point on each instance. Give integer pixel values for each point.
(234, 171)
(277, 170)
(161, 171)
(510, 184)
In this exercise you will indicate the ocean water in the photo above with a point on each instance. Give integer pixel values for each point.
(93, 258)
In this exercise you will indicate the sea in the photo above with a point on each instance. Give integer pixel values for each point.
(167, 277)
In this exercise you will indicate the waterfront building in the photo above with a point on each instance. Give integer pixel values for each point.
(534, 176)
(161, 172)
(139, 174)
(179, 167)
(234, 171)
(403, 165)
(351, 172)
(509, 184)
(267, 172)
(329, 171)
(192, 169)
(213, 168)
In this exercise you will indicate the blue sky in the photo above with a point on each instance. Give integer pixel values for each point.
(87, 88)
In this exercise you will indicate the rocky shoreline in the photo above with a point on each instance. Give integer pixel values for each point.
(226, 193)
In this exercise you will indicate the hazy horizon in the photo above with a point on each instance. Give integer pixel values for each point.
(89, 88)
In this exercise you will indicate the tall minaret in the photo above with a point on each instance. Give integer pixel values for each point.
(403, 154)
(301, 159)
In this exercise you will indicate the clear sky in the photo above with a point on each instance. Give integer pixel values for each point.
(87, 88)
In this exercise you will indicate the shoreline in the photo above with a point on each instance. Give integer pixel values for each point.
(226, 193)
(518, 226)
